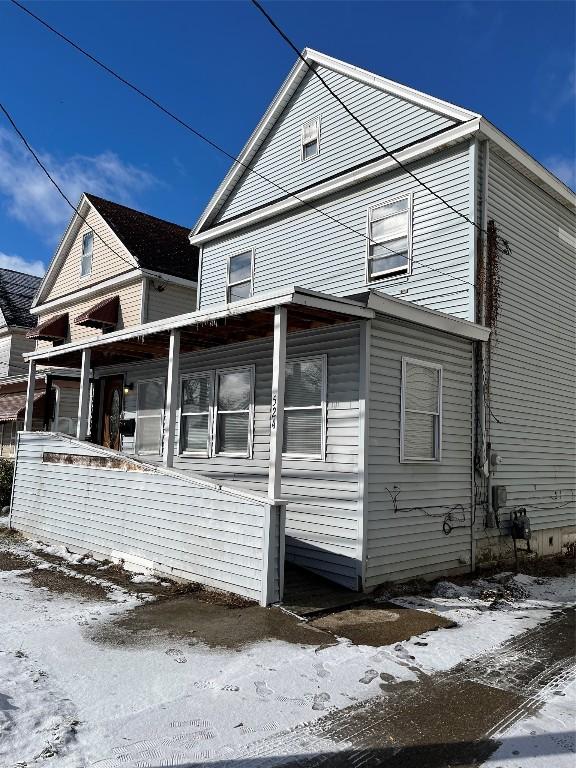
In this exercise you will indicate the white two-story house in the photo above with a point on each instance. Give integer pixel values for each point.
(377, 373)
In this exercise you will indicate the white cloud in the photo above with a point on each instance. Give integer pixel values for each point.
(564, 168)
(30, 197)
(19, 264)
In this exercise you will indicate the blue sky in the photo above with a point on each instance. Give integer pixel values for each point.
(218, 64)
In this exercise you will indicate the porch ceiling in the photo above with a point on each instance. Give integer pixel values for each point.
(202, 333)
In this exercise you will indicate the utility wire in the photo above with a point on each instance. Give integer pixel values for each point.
(356, 119)
(220, 149)
(56, 185)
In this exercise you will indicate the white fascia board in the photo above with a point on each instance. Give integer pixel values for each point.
(62, 246)
(170, 278)
(92, 290)
(401, 309)
(254, 142)
(531, 167)
(377, 168)
(439, 106)
(264, 301)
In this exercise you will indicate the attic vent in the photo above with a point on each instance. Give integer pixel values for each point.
(310, 139)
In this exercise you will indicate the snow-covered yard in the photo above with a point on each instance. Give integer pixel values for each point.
(68, 699)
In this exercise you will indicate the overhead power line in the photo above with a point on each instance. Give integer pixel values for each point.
(203, 137)
(57, 186)
(357, 120)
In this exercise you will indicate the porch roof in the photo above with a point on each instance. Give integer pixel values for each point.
(242, 321)
(249, 319)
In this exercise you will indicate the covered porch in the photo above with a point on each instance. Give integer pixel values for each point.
(154, 393)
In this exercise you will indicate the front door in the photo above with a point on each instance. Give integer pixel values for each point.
(112, 411)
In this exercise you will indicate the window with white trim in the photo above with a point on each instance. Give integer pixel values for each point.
(150, 416)
(86, 258)
(310, 139)
(305, 407)
(239, 278)
(421, 420)
(195, 418)
(389, 238)
(233, 411)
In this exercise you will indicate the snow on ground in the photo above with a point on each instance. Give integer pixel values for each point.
(547, 739)
(67, 697)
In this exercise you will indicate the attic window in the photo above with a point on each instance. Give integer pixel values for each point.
(310, 139)
(86, 260)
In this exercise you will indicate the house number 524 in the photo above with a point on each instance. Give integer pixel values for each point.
(274, 411)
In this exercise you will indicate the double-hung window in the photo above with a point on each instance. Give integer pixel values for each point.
(233, 410)
(239, 282)
(310, 139)
(421, 420)
(390, 238)
(196, 405)
(150, 416)
(86, 258)
(305, 407)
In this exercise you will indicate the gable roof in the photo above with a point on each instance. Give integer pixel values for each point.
(156, 244)
(464, 119)
(17, 289)
(285, 93)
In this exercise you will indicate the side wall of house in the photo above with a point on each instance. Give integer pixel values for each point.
(20, 344)
(322, 518)
(325, 249)
(172, 300)
(407, 503)
(532, 384)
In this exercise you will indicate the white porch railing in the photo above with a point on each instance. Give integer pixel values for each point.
(97, 500)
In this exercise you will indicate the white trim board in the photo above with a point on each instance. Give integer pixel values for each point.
(285, 93)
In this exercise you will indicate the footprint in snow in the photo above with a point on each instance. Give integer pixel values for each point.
(321, 670)
(177, 655)
(232, 688)
(319, 700)
(262, 688)
(369, 675)
(204, 685)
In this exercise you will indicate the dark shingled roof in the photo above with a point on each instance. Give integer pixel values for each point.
(17, 290)
(157, 245)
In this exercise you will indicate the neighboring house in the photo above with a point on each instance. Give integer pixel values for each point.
(115, 268)
(426, 357)
(59, 411)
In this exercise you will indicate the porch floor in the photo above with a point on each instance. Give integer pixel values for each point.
(307, 595)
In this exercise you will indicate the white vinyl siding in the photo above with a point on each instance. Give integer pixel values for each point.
(421, 422)
(87, 250)
(233, 412)
(310, 139)
(388, 249)
(316, 251)
(394, 121)
(150, 416)
(240, 276)
(196, 407)
(305, 408)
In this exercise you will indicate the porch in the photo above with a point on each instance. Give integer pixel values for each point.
(312, 471)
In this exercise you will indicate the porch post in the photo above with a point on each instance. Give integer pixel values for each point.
(277, 404)
(84, 398)
(171, 398)
(30, 396)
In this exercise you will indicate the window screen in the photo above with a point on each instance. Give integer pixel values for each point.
(239, 277)
(421, 404)
(310, 139)
(304, 407)
(150, 416)
(233, 407)
(389, 243)
(195, 421)
(87, 247)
